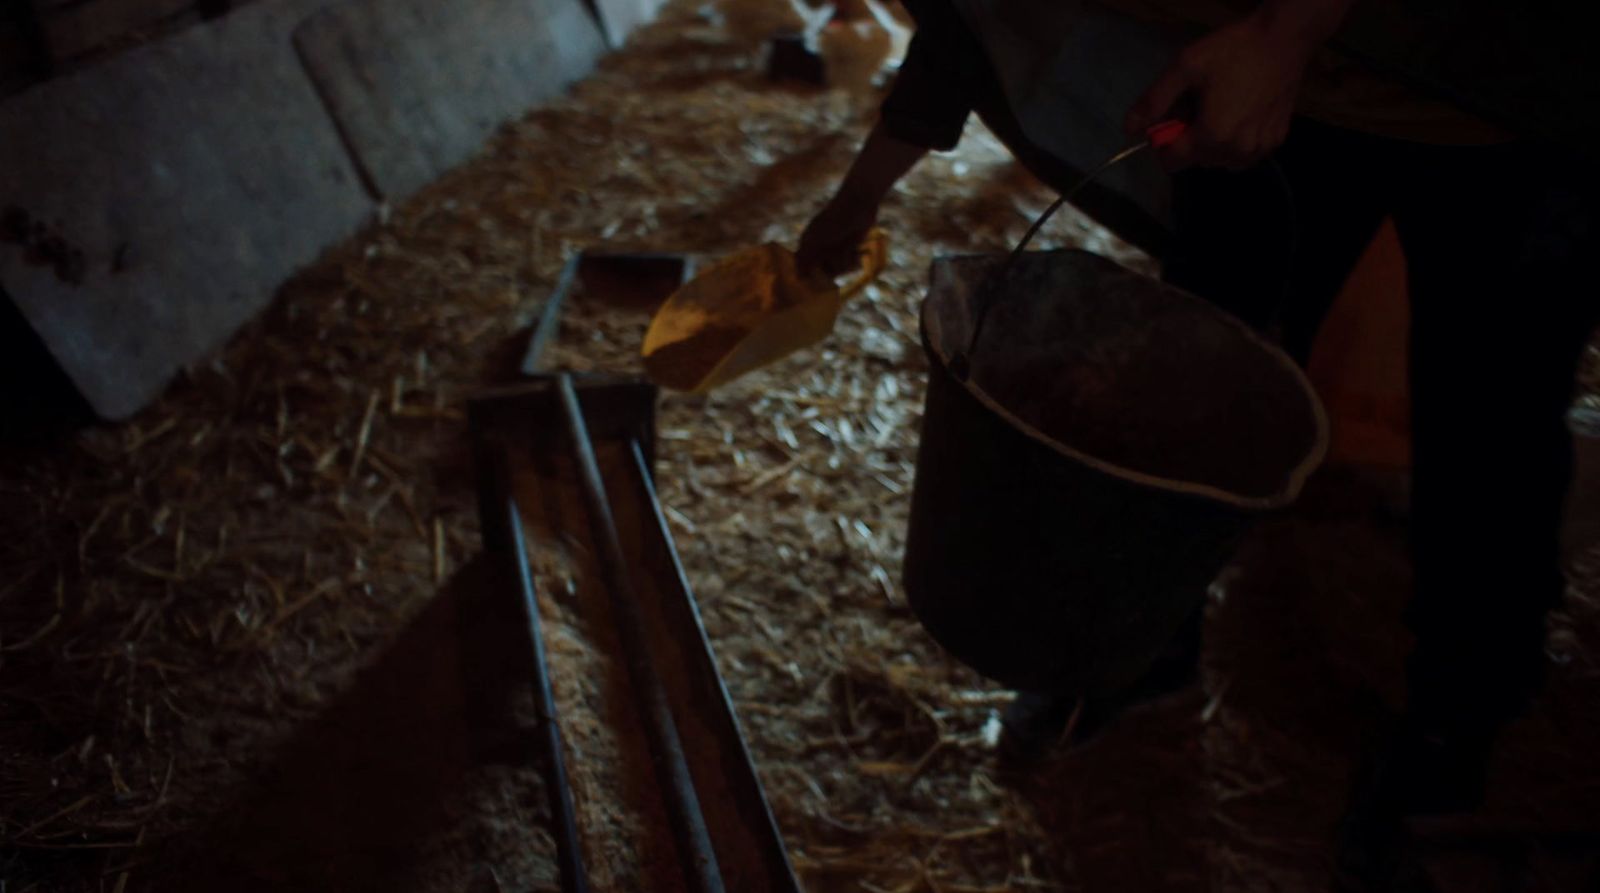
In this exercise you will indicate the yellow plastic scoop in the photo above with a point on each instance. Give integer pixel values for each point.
(746, 311)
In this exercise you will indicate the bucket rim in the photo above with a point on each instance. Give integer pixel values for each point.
(1294, 480)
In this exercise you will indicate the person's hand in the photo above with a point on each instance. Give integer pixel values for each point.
(831, 242)
(1242, 80)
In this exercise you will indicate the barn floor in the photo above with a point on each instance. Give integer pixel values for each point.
(232, 631)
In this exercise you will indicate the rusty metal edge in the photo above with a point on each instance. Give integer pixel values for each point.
(614, 406)
(550, 315)
(693, 838)
(745, 782)
(503, 539)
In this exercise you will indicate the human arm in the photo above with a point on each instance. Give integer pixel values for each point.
(832, 240)
(1242, 79)
(926, 110)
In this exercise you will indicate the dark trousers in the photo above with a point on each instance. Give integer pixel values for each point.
(1498, 244)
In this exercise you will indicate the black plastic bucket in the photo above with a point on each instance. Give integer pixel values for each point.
(1078, 492)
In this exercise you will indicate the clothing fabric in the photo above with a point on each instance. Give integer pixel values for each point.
(942, 79)
(946, 76)
(1336, 90)
(1496, 240)
(1021, 42)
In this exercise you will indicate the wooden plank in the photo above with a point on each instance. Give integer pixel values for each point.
(180, 183)
(416, 86)
(73, 31)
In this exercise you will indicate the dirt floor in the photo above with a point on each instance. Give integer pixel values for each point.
(234, 632)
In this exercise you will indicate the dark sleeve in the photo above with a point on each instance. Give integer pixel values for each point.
(933, 92)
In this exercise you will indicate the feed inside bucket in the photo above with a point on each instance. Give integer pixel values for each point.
(746, 311)
(1132, 376)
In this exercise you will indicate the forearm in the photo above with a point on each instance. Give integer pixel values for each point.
(882, 161)
(831, 242)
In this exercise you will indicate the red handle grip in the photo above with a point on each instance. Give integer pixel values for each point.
(1166, 133)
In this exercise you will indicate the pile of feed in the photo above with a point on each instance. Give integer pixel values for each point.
(624, 836)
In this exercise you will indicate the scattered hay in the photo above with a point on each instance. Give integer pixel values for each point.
(185, 589)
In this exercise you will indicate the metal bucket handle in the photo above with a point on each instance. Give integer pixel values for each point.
(1162, 134)
(1159, 135)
